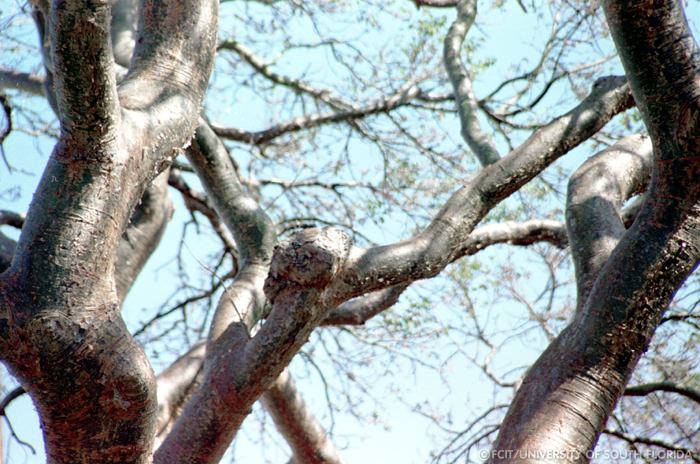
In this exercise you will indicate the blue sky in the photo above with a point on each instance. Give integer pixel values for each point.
(398, 435)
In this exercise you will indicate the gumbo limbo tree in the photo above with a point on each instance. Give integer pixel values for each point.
(127, 82)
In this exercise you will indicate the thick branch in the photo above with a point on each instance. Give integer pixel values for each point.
(250, 225)
(478, 141)
(142, 236)
(305, 436)
(659, 53)
(428, 252)
(86, 100)
(299, 274)
(361, 309)
(238, 310)
(64, 339)
(175, 385)
(169, 73)
(597, 191)
(589, 364)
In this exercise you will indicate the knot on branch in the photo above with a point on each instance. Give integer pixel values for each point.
(309, 259)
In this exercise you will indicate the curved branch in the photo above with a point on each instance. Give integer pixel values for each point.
(597, 191)
(467, 105)
(589, 364)
(324, 95)
(11, 218)
(142, 236)
(243, 367)
(169, 73)
(60, 286)
(361, 309)
(251, 227)
(659, 54)
(9, 398)
(238, 310)
(428, 252)
(514, 233)
(670, 387)
(382, 105)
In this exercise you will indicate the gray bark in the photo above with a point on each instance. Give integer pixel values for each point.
(566, 398)
(62, 335)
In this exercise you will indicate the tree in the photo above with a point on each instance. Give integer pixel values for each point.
(128, 100)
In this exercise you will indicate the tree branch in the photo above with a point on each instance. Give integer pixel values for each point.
(306, 437)
(145, 231)
(382, 105)
(175, 385)
(597, 191)
(9, 398)
(243, 368)
(324, 95)
(361, 309)
(11, 218)
(238, 310)
(436, 3)
(467, 106)
(169, 73)
(197, 201)
(671, 387)
(514, 233)
(250, 225)
(65, 340)
(589, 364)
(25, 82)
(87, 100)
(428, 252)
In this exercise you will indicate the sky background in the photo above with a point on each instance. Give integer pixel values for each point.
(398, 434)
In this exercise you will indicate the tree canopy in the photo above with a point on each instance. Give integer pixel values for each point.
(328, 215)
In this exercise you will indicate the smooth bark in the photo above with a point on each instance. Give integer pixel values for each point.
(62, 335)
(568, 395)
